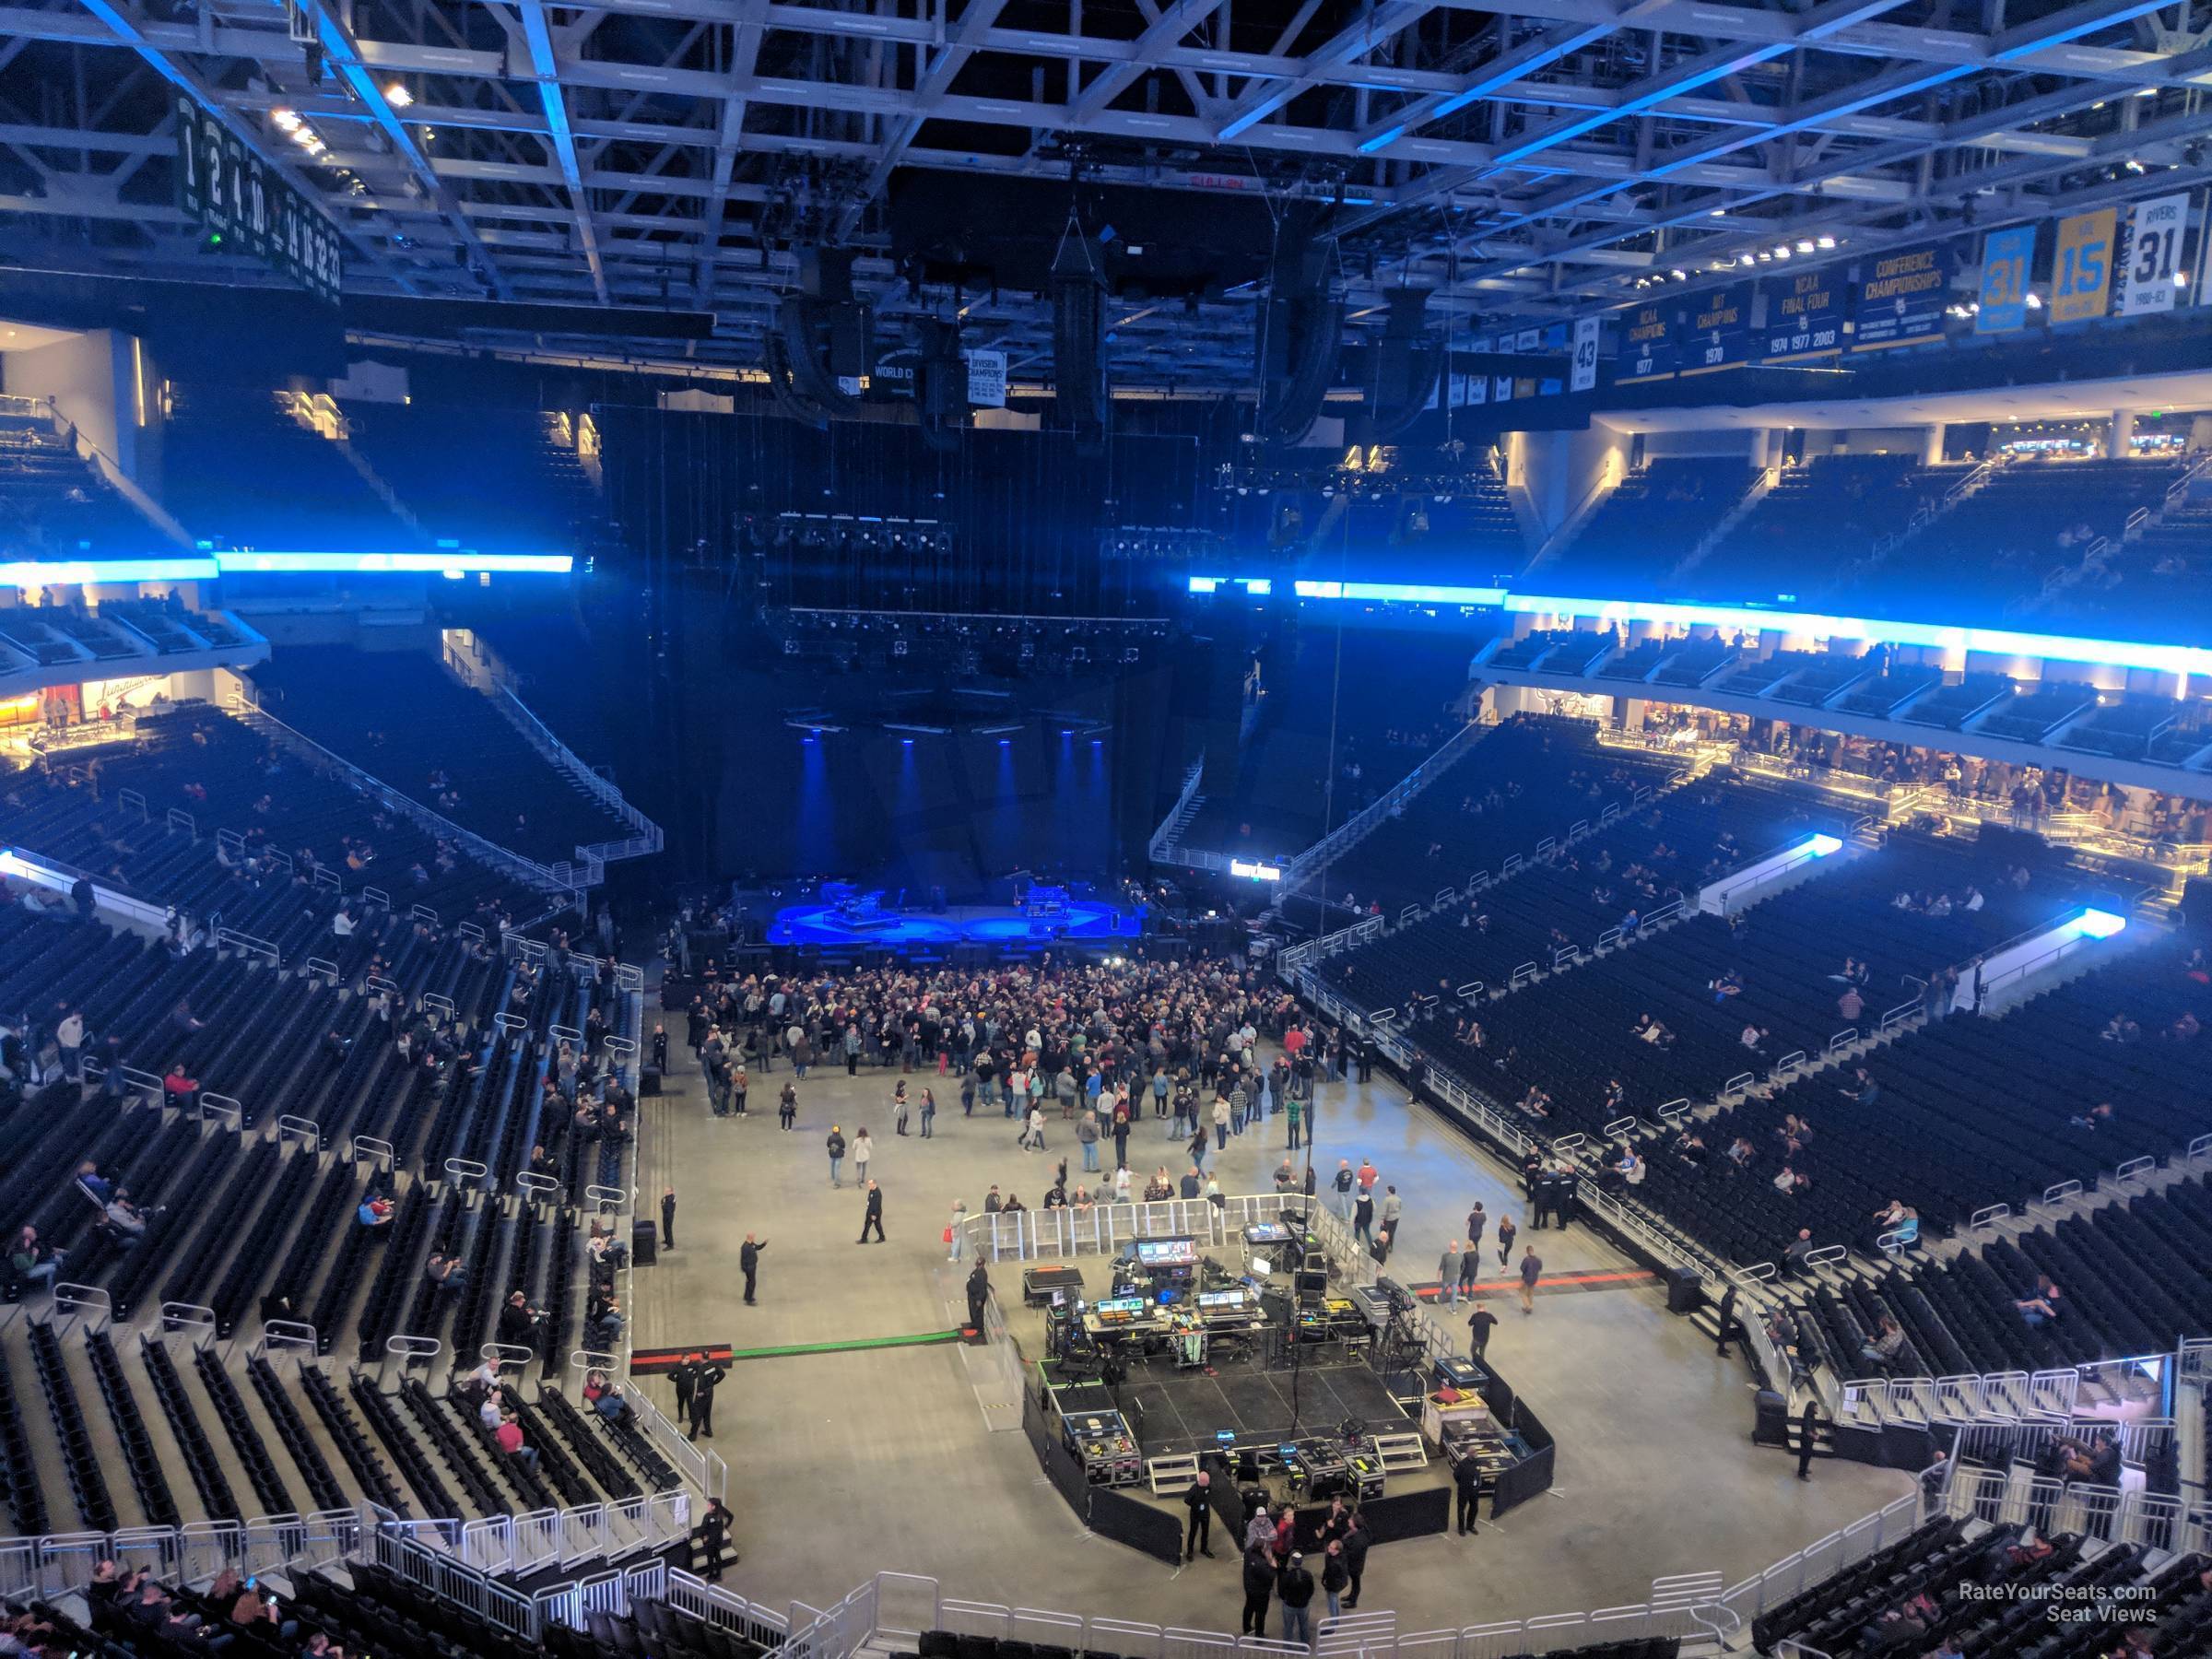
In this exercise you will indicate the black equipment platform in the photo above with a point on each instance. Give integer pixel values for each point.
(1183, 1411)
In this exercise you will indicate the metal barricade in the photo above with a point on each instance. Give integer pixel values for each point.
(222, 1109)
(307, 1129)
(320, 968)
(487, 1544)
(462, 1170)
(376, 1150)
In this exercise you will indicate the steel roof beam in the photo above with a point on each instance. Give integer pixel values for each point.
(121, 28)
(343, 54)
(544, 71)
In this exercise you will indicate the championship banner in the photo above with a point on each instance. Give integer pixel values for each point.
(2006, 257)
(2081, 267)
(1584, 374)
(986, 378)
(2153, 257)
(1805, 315)
(1901, 297)
(1529, 339)
(1717, 329)
(1647, 344)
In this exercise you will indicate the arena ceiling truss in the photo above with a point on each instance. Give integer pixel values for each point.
(1530, 163)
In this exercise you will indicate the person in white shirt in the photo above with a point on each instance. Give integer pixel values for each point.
(342, 925)
(1974, 900)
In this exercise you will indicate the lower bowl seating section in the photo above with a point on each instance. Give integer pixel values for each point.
(1959, 1122)
(1574, 1034)
(226, 1217)
(364, 1609)
(2126, 1274)
(1535, 778)
(1665, 849)
(223, 777)
(440, 744)
(1991, 1592)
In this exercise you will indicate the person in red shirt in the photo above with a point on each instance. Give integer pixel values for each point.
(510, 1436)
(1294, 1041)
(179, 1090)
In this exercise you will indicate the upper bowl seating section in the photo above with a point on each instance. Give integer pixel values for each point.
(1647, 526)
(438, 743)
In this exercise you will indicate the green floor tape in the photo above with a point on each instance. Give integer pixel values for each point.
(846, 1347)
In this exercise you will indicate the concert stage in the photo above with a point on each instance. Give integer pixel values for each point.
(1001, 926)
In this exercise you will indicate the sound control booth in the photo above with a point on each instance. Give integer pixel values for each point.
(1246, 1355)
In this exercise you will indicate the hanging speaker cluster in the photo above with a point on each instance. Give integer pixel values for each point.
(1079, 341)
(941, 387)
(1299, 336)
(1406, 362)
(822, 346)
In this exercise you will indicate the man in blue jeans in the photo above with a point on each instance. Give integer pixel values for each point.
(1294, 1589)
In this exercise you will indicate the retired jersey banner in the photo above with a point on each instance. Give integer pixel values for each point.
(1805, 315)
(1716, 329)
(1901, 296)
(2153, 255)
(1584, 374)
(2007, 256)
(1647, 343)
(2081, 267)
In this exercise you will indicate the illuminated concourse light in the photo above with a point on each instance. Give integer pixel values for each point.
(2097, 923)
(249, 562)
(1820, 846)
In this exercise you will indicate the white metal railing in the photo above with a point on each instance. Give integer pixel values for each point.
(1324, 851)
(1163, 846)
(892, 1611)
(1824, 1558)
(552, 878)
(648, 836)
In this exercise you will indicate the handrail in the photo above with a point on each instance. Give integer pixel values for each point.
(543, 738)
(1163, 843)
(1323, 851)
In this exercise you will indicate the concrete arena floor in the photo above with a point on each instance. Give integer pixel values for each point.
(842, 1464)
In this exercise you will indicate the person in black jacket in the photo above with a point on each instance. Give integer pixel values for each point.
(1335, 1577)
(1294, 1589)
(749, 1263)
(1355, 1557)
(1198, 1531)
(979, 1292)
(1259, 1585)
(683, 1373)
(702, 1399)
(1467, 1478)
(872, 1216)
